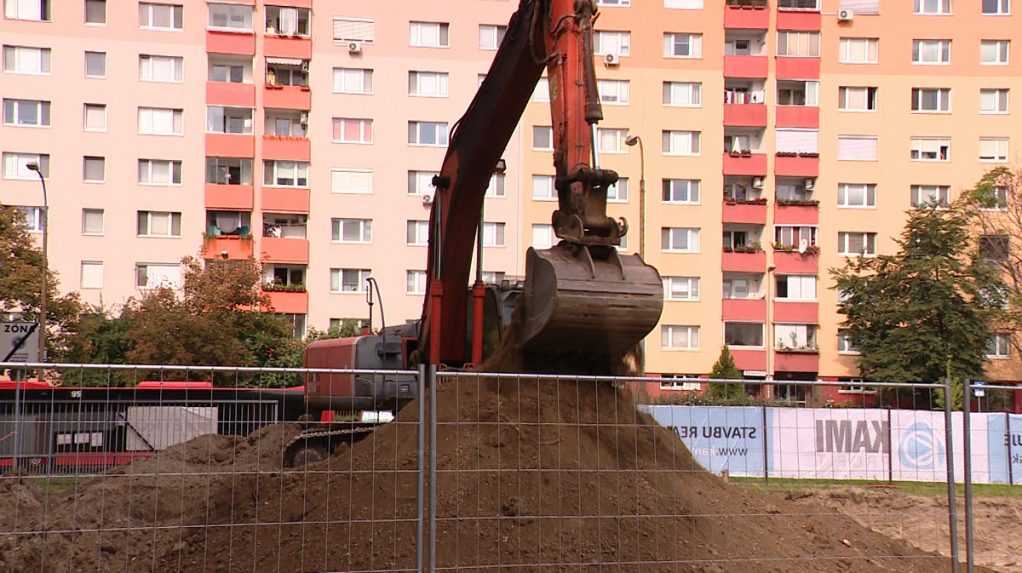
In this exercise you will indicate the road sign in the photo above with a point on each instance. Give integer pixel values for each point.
(19, 342)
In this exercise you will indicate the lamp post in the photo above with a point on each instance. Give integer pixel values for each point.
(631, 142)
(45, 287)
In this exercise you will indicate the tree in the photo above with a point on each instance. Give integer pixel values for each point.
(726, 369)
(924, 313)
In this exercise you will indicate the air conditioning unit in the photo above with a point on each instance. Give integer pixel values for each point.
(427, 199)
(303, 118)
(354, 47)
(845, 15)
(305, 65)
(757, 182)
(612, 59)
(810, 184)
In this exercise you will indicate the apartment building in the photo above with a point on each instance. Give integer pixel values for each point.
(305, 133)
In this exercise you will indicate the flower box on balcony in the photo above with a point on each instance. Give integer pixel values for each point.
(760, 201)
(797, 350)
(808, 154)
(278, 287)
(798, 203)
(786, 154)
(748, 249)
(811, 250)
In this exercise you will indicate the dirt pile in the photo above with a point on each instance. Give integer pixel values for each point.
(556, 474)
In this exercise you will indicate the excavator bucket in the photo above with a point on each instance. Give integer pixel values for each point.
(587, 303)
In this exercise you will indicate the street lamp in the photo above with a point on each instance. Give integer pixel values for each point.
(631, 141)
(45, 287)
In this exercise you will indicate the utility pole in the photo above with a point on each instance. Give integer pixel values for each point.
(45, 286)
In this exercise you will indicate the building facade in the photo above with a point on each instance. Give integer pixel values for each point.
(305, 133)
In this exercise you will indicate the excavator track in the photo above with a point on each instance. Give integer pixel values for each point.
(311, 446)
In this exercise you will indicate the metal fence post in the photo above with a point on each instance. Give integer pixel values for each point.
(970, 565)
(419, 526)
(1007, 433)
(766, 447)
(17, 422)
(950, 463)
(890, 448)
(432, 467)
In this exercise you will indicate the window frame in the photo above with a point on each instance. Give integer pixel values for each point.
(867, 236)
(943, 97)
(441, 81)
(365, 73)
(176, 16)
(363, 274)
(667, 331)
(45, 60)
(920, 5)
(845, 50)
(762, 334)
(271, 168)
(694, 146)
(693, 286)
(366, 130)
(997, 93)
(1002, 47)
(693, 239)
(694, 43)
(1003, 145)
(944, 48)
(443, 133)
(415, 34)
(173, 218)
(85, 162)
(43, 111)
(868, 190)
(364, 228)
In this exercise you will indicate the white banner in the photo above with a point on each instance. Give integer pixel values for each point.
(825, 443)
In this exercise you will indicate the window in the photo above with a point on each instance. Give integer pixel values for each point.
(680, 142)
(26, 60)
(354, 30)
(349, 280)
(93, 169)
(352, 181)
(148, 275)
(933, 7)
(743, 334)
(287, 72)
(36, 10)
(92, 274)
(160, 16)
(676, 4)
(857, 148)
(930, 149)
(223, 70)
(681, 191)
(618, 192)
(95, 11)
(352, 130)
(798, 44)
(542, 137)
(859, 50)
(931, 99)
(795, 337)
(26, 112)
(284, 275)
(614, 2)
(285, 225)
(611, 140)
(932, 52)
(856, 195)
(793, 190)
(996, 7)
(285, 124)
(159, 224)
(33, 217)
(415, 282)
(741, 287)
(998, 346)
(794, 236)
(796, 287)
(286, 173)
(95, 64)
(614, 91)
(857, 98)
(92, 221)
(994, 52)
(683, 45)
(799, 4)
(856, 243)
(421, 182)
(353, 81)
(427, 84)
(844, 343)
(228, 120)
(228, 171)
(16, 165)
(496, 186)
(998, 201)
(739, 239)
(543, 188)
(351, 230)
(493, 277)
(230, 17)
(798, 141)
(541, 93)
(417, 233)
(427, 133)
(160, 68)
(993, 149)
(679, 239)
(490, 37)
(606, 42)
(94, 117)
(674, 337)
(493, 234)
(160, 121)
(993, 100)
(285, 21)
(543, 236)
(683, 94)
(681, 288)
(994, 248)
(789, 92)
(429, 34)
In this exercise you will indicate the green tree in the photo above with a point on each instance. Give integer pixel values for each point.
(726, 369)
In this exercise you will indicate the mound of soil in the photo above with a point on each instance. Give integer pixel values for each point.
(552, 475)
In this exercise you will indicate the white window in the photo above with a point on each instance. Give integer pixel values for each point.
(931, 100)
(798, 140)
(427, 133)
(999, 346)
(993, 149)
(860, 50)
(611, 140)
(683, 45)
(798, 4)
(856, 195)
(427, 84)
(496, 186)
(94, 117)
(618, 192)
(856, 243)
(614, 91)
(743, 334)
(679, 239)
(354, 181)
(352, 130)
(490, 36)
(681, 191)
(26, 60)
(354, 30)
(931, 149)
(844, 343)
(149, 275)
(93, 169)
(351, 230)
(353, 81)
(613, 2)
(421, 182)
(543, 188)
(95, 11)
(286, 173)
(542, 137)
(677, 337)
(16, 165)
(37, 10)
(415, 282)
(993, 100)
(924, 195)
(228, 171)
(95, 64)
(994, 52)
(26, 112)
(230, 17)
(160, 121)
(798, 44)
(283, 124)
(680, 142)
(741, 287)
(939, 7)
(493, 234)
(159, 224)
(33, 217)
(857, 98)
(228, 119)
(92, 221)
(287, 21)
(417, 233)
(160, 68)
(683, 94)
(610, 42)
(160, 16)
(429, 34)
(933, 52)
(542, 91)
(678, 4)
(223, 70)
(794, 236)
(543, 236)
(996, 7)
(349, 280)
(857, 148)
(796, 287)
(795, 336)
(92, 274)
(681, 288)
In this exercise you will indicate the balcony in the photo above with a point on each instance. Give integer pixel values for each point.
(287, 47)
(797, 165)
(230, 145)
(227, 247)
(286, 148)
(230, 94)
(287, 251)
(798, 20)
(229, 197)
(754, 262)
(750, 360)
(287, 97)
(752, 212)
(745, 115)
(237, 43)
(798, 116)
(788, 361)
(748, 164)
(285, 200)
(796, 312)
(744, 309)
(795, 263)
(747, 15)
(751, 67)
(289, 302)
(796, 213)
(797, 68)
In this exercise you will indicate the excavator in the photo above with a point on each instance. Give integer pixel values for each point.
(583, 306)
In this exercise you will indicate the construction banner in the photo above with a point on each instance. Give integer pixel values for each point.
(721, 439)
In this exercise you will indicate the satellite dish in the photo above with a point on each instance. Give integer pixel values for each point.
(803, 245)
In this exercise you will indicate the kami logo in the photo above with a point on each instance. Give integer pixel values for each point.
(847, 436)
(920, 448)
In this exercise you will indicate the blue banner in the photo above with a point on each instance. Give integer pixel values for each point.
(721, 439)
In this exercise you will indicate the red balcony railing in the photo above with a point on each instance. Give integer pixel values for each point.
(289, 251)
(229, 197)
(287, 47)
(237, 43)
(796, 263)
(796, 312)
(800, 165)
(743, 262)
(747, 15)
(287, 97)
(745, 115)
(286, 148)
(288, 302)
(798, 116)
(749, 164)
(745, 66)
(230, 94)
(285, 200)
(749, 212)
(227, 247)
(798, 68)
(804, 213)
(230, 145)
(744, 310)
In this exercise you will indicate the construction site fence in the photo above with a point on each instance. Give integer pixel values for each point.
(171, 468)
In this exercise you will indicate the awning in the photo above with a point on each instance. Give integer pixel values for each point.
(284, 61)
